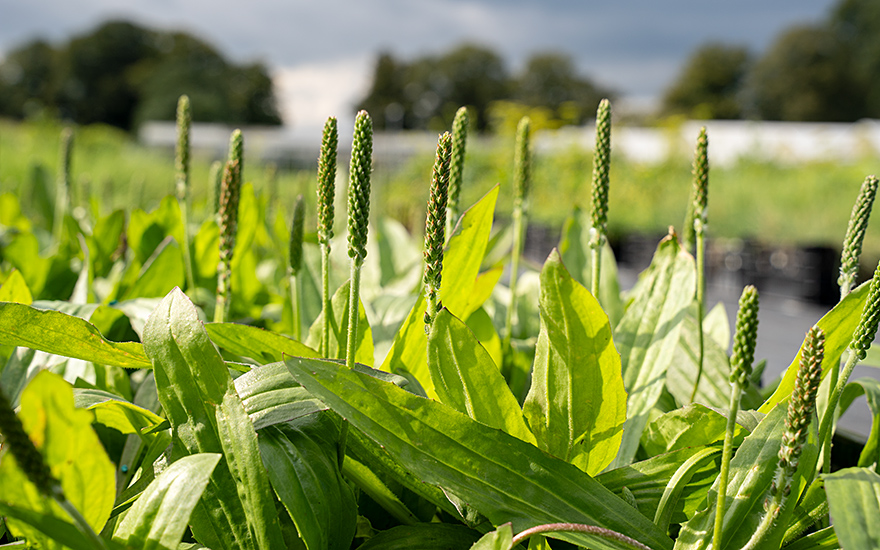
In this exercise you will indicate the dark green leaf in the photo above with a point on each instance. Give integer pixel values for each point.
(423, 536)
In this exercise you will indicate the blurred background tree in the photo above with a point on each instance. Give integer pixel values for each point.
(710, 85)
(123, 74)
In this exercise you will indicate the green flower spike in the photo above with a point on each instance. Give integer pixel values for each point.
(741, 369)
(230, 191)
(435, 226)
(456, 165)
(601, 174)
(295, 256)
(62, 191)
(358, 219)
(215, 181)
(326, 193)
(800, 411)
(867, 328)
(522, 163)
(521, 174)
(855, 235)
(696, 221)
(181, 169)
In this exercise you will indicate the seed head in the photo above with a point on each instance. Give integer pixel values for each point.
(327, 181)
(435, 224)
(26, 454)
(181, 160)
(701, 180)
(522, 162)
(230, 191)
(456, 166)
(359, 187)
(855, 233)
(745, 338)
(296, 236)
(867, 328)
(601, 170)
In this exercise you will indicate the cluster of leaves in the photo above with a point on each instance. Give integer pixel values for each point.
(513, 412)
(123, 74)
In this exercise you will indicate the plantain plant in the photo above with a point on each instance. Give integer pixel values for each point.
(163, 430)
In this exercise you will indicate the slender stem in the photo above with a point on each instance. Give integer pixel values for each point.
(825, 426)
(516, 253)
(596, 266)
(81, 523)
(701, 301)
(295, 283)
(579, 528)
(325, 295)
(353, 303)
(726, 455)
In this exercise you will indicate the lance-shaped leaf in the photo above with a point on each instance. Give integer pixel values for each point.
(261, 345)
(576, 405)
(500, 476)
(838, 325)
(871, 389)
(206, 415)
(648, 335)
(303, 463)
(751, 474)
(158, 518)
(461, 265)
(62, 334)
(466, 378)
(854, 503)
(424, 536)
(15, 289)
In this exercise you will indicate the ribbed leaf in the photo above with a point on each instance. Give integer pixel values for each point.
(261, 345)
(62, 334)
(576, 405)
(461, 265)
(424, 536)
(466, 378)
(158, 518)
(302, 459)
(854, 503)
(500, 476)
(648, 335)
(206, 416)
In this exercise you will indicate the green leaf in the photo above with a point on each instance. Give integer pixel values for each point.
(499, 539)
(466, 378)
(339, 329)
(261, 345)
(854, 503)
(271, 396)
(424, 536)
(648, 335)
(574, 246)
(70, 447)
(823, 539)
(500, 476)
(716, 325)
(104, 241)
(576, 405)
(159, 517)
(871, 389)
(162, 271)
(751, 473)
(146, 231)
(303, 463)
(114, 412)
(461, 265)
(199, 400)
(15, 289)
(62, 334)
(839, 325)
(690, 426)
(59, 531)
(481, 324)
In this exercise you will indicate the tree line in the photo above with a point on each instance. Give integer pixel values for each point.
(123, 74)
(828, 71)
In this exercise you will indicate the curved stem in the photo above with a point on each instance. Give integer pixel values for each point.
(579, 528)
(726, 455)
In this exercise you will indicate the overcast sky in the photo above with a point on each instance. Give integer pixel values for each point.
(322, 53)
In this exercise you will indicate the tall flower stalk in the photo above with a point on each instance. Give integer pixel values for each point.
(601, 174)
(62, 187)
(857, 351)
(855, 235)
(326, 193)
(181, 177)
(358, 219)
(521, 180)
(435, 226)
(741, 361)
(230, 191)
(215, 181)
(700, 221)
(797, 422)
(456, 166)
(294, 265)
